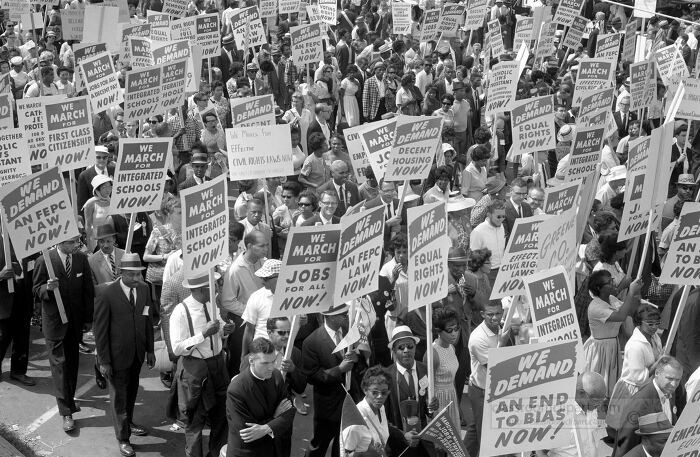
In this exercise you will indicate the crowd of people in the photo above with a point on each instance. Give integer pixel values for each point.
(230, 368)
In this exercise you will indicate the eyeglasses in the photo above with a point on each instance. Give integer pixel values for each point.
(331, 203)
(652, 323)
(305, 204)
(493, 315)
(283, 332)
(447, 103)
(406, 347)
(154, 122)
(451, 330)
(101, 157)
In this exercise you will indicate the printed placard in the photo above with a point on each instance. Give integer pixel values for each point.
(307, 277)
(250, 155)
(643, 85)
(427, 254)
(533, 125)
(135, 31)
(38, 212)
(635, 214)
(593, 75)
(682, 265)
(176, 8)
(431, 20)
(586, 150)
(101, 82)
(208, 35)
(401, 14)
(451, 18)
(591, 104)
(573, 37)
(289, 6)
(445, 434)
(629, 44)
(140, 52)
(638, 154)
(689, 107)
(160, 25)
(247, 26)
(164, 53)
(416, 141)
(377, 140)
(530, 394)
(70, 143)
(608, 46)
(359, 257)
(495, 38)
(139, 177)
(545, 42)
(72, 24)
(552, 306)
(328, 11)
(671, 66)
(520, 257)
(14, 162)
(101, 25)
(358, 156)
(561, 198)
(7, 112)
(307, 44)
(82, 52)
(173, 80)
(30, 115)
(523, 31)
(142, 93)
(249, 111)
(557, 243)
(268, 8)
(476, 11)
(683, 438)
(16, 8)
(204, 226)
(502, 85)
(567, 10)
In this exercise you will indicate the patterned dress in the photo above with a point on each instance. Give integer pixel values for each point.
(445, 380)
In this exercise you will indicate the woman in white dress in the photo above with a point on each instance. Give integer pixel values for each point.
(445, 361)
(349, 108)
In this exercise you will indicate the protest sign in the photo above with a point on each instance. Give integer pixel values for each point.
(591, 104)
(670, 66)
(208, 35)
(132, 31)
(533, 125)
(101, 26)
(70, 144)
(268, 8)
(523, 32)
(251, 156)
(5, 84)
(638, 153)
(172, 90)
(358, 157)
(683, 441)
(6, 111)
(502, 85)
(401, 14)
(642, 85)
(140, 54)
(573, 37)
(289, 6)
(557, 243)
(16, 8)
(249, 111)
(312, 12)
(585, 152)
(635, 213)
(682, 265)
(82, 52)
(608, 46)
(247, 28)
(377, 139)
(589, 185)
(164, 53)
(444, 434)
(307, 44)
(72, 24)
(427, 254)
(360, 253)
(32, 21)
(31, 118)
(561, 198)
(124, 17)
(204, 226)
(431, 20)
(476, 10)
(690, 105)
(14, 162)
(529, 390)
(302, 11)
(545, 42)
(567, 11)
(416, 141)
(140, 173)
(307, 277)
(552, 305)
(328, 11)
(101, 82)
(630, 42)
(160, 25)
(175, 7)
(495, 37)
(520, 257)
(142, 93)
(37, 211)
(593, 75)
(644, 8)
(656, 183)
(540, 14)
(451, 18)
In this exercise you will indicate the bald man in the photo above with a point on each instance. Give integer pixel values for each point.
(590, 394)
(347, 192)
(535, 198)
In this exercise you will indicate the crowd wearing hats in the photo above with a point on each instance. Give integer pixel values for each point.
(257, 368)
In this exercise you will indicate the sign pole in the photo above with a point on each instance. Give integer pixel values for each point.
(646, 244)
(56, 292)
(130, 232)
(290, 342)
(8, 253)
(406, 186)
(212, 293)
(74, 196)
(429, 350)
(353, 318)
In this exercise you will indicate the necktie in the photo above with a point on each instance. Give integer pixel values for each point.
(132, 301)
(338, 337)
(624, 122)
(520, 211)
(408, 374)
(341, 204)
(68, 265)
(112, 266)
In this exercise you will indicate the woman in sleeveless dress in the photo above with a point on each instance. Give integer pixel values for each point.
(445, 363)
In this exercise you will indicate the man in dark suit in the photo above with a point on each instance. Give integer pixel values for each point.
(654, 397)
(74, 282)
(446, 81)
(106, 261)
(8, 302)
(123, 339)
(326, 370)
(328, 201)
(654, 430)
(624, 117)
(84, 192)
(319, 124)
(343, 52)
(410, 399)
(257, 407)
(227, 56)
(199, 163)
(388, 198)
(347, 192)
(515, 206)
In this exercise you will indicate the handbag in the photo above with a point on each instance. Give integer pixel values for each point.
(163, 363)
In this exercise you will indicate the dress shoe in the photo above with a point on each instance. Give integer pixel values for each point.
(137, 430)
(126, 450)
(23, 379)
(68, 424)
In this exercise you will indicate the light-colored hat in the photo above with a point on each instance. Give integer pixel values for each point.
(459, 202)
(566, 133)
(200, 157)
(617, 172)
(384, 48)
(102, 149)
(104, 230)
(400, 332)
(228, 39)
(337, 309)
(17, 60)
(270, 268)
(98, 180)
(201, 281)
(131, 261)
(686, 180)
(252, 66)
(495, 184)
(654, 424)
(447, 147)
(457, 254)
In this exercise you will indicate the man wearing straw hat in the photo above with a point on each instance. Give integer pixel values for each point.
(196, 337)
(106, 261)
(654, 431)
(199, 164)
(123, 339)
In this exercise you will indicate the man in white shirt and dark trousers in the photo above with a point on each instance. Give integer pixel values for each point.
(196, 337)
(257, 310)
(491, 235)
